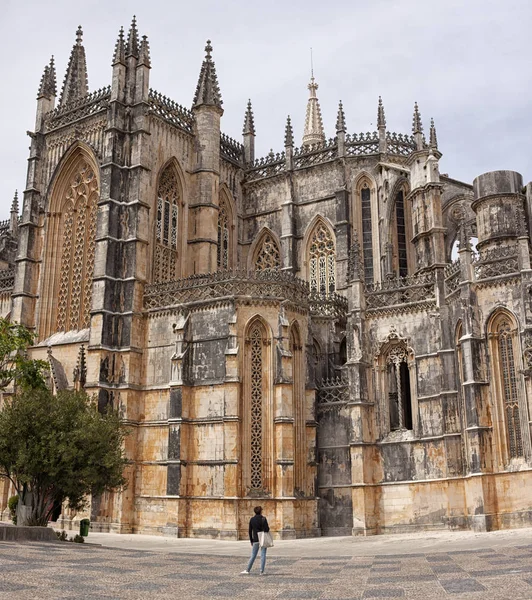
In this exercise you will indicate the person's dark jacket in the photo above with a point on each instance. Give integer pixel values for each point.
(256, 524)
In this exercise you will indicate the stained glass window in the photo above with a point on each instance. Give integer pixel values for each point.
(166, 227)
(322, 260)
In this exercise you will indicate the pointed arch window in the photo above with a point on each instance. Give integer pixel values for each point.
(400, 224)
(322, 261)
(268, 257)
(222, 258)
(78, 246)
(504, 335)
(298, 394)
(256, 341)
(165, 266)
(367, 233)
(399, 393)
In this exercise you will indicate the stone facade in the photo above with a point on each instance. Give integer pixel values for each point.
(312, 331)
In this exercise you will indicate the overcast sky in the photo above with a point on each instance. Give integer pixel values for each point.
(467, 63)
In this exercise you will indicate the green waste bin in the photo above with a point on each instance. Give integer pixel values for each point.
(84, 527)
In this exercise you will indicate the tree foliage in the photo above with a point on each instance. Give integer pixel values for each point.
(15, 365)
(57, 448)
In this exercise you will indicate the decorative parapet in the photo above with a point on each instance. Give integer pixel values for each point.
(333, 306)
(170, 112)
(452, 277)
(362, 144)
(409, 292)
(496, 263)
(4, 226)
(265, 285)
(313, 154)
(80, 108)
(231, 150)
(399, 144)
(331, 393)
(268, 166)
(7, 280)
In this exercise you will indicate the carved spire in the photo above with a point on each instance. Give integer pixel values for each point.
(288, 133)
(48, 86)
(132, 48)
(381, 117)
(417, 127)
(80, 370)
(433, 139)
(207, 90)
(340, 119)
(14, 204)
(144, 53)
(120, 49)
(313, 122)
(249, 121)
(76, 83)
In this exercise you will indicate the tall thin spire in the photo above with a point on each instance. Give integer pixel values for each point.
(313, 133)
(208, 90)
(132, 47)
(144, 52)
(249, 121)
(433, 140)
(381, 117)
(14, 204)
(340, 119)
(288, 133)
(417, 127)
(120, 49)
(76, 83)
(48, 86)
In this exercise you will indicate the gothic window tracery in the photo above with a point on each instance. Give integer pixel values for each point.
(77, 255)
(505, 337)
(256, 341)
(166, 227)
(223, 236)
(400, 223)
(322, 261)
(268, 257)
(399, 394)
(367, 233)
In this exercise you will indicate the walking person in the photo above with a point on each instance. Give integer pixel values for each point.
(258, 525)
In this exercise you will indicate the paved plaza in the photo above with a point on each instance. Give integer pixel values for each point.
(432, 565)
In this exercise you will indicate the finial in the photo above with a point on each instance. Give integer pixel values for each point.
(120, 51)
(144, 53)
(48, 86)
(381, 118)
(288, 134)
(208, 90)
(417, 127)
(249, 121)
(340, 119)
(433, 139)
(75, 84)
(14, 205)
(313, 133)
(79, 35)
(132, 48)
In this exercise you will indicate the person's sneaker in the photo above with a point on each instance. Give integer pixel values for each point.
(244, 572)
(262, 573)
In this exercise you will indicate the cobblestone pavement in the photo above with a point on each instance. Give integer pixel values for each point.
(39, 570)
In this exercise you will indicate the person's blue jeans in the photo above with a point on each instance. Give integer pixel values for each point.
(254, 552)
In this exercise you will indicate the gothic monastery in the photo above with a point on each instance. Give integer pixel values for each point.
(311, 331)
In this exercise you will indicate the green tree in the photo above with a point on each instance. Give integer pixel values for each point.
(57, 448)
(15, 365)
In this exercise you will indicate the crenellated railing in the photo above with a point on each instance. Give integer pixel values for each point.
(331, 306)
(314, 154)
(80, 108)
(267, 166)
(452, 277)
(412, 290)
(265, 285)
(231, 150)
(7, 279)
(362, 144)
(496, 262)
(397, 143)
(330, 393)
(170, 111)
